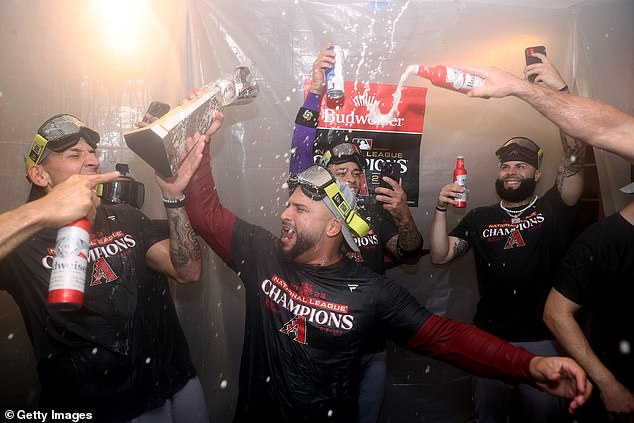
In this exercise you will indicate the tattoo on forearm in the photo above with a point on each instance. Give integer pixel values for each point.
(460, 247)
(186, 248)
(409, 238)
(574, 154)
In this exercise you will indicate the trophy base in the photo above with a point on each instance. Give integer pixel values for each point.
(150, 146)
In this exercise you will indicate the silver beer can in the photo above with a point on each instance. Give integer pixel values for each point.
(335, 75)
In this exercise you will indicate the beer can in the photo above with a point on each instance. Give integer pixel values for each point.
(335, 75)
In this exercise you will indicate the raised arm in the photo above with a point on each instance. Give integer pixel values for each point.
(597, 124)
(406, 246)
(570, 171)
(444, 248)
(69, 201)
(303, 142)
(559, 315)
(209, 218)
(180, 256)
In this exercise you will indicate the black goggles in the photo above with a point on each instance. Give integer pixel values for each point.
(521, 149)
(313, 182)
(342, 153)
(57, 134)
(123, 191)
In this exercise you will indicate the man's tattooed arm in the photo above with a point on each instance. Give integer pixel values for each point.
(185, 251)
(574, 158)
(459, 248)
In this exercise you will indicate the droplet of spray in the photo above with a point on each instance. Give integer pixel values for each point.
(625, 347)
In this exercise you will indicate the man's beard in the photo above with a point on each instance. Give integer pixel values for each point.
(521, 193)
(302, 244)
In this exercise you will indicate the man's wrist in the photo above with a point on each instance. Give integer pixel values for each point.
(441, 207)
(173, 202)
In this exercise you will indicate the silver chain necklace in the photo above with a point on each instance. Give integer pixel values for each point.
(515, 214)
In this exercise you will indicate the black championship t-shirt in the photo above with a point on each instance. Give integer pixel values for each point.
(372, 245)
(598, 274)
(166, 364)
(305, 330)
(87, 359)
(516, 264)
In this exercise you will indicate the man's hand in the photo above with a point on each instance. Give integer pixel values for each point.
(498, 83)
(73, 199)
(545, 73)
(394, 200)
(325, 60)
(175, 186)
(563, 377)
(448, 195)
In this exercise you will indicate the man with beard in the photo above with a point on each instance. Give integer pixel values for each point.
(518, 245)
(309, 310)
(393, 232)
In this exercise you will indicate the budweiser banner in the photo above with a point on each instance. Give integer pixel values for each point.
(380, 136)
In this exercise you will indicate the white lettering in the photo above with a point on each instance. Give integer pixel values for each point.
(331, 116)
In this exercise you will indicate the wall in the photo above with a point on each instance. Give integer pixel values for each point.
(63, 56)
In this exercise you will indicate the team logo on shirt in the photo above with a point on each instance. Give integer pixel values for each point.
(102, 272)
(511, 233)
(296, 329)
(101, 248)
(515, 239)
(308, 306)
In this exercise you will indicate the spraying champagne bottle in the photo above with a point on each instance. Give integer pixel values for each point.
(453, 79)
(68, 274)
(460, 178)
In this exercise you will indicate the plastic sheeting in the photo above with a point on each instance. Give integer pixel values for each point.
(105, 61)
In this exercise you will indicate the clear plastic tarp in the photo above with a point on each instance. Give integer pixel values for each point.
(105, 60)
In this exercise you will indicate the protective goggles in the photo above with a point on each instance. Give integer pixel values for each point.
(341, 153)
(521, 149)
(123, 191)
(58, 134)
(318, 184)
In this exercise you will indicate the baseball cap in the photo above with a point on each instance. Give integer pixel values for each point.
(318, 184)
(342, 153)
(58, 133)
(520, 149)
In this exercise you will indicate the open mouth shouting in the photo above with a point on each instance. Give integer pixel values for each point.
(288, 234)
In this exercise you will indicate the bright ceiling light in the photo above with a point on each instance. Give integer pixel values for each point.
(123, 24)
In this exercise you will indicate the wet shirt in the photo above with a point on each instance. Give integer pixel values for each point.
(74, 347)
(372, 245)
(516, 263)
(313, 325)
(598, 274)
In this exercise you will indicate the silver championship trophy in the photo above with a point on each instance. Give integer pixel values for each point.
(162, 143)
